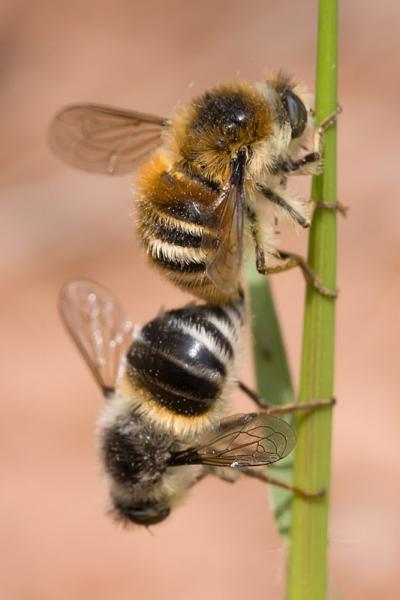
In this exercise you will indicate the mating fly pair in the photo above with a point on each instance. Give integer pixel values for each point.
(216, 165)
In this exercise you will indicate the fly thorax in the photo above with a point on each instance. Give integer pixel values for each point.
(134, 452)
(217, 125)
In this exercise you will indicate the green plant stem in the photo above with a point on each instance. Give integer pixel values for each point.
(307, 573)
(273, 379)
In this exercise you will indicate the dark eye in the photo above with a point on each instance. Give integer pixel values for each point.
(296, 111)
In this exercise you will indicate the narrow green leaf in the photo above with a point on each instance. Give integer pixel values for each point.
(273, 379)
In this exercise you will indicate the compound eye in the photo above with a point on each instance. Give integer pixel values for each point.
(297, 112)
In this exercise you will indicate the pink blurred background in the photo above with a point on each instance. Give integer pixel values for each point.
(57, 223)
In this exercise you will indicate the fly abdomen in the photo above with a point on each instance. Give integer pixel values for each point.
(173, 213)
(168, 233)
(183, 357)
(180, 378)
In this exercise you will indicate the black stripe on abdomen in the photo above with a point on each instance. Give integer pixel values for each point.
(186, 209)
(171, 234)
(197, 316)
(176, 265)
(175, 402)
(171, 383)
(182, 346)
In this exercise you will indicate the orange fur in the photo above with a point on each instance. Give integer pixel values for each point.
(159, 191)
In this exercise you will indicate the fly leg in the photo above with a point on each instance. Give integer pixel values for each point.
(309, 164)
(338, 206)
(231, 475)
(284, 409)
(263, 476)
(326, 123)
(291, 260)
(256, 235)
(280, 201)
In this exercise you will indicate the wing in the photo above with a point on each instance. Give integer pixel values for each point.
(241, 441)
(224, 253)
(98, 327)
(102, 139)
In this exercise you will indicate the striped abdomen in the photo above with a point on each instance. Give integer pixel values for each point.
(173, 214)
(184, 358)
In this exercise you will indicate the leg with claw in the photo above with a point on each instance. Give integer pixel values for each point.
(338, 206)
(329, 120)
(294, 407)
(291, 260)
(284, 409)
(263, 476)
(326, 123)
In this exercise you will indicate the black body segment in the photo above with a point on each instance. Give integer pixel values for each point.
(227, 110)
(173, 235)
(184, 346)
(181, 266)
(182, 357)
(134, 450)
(162, 372)
(184, 205)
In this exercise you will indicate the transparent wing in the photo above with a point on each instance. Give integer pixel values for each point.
(242, 441)
(99, 328)
(224, 253)
(103, 139)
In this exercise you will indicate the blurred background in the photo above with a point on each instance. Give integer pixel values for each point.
(58, 223)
